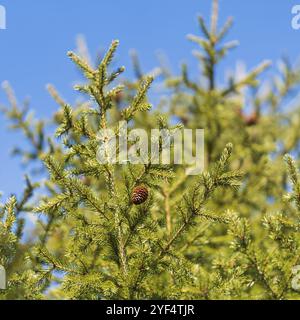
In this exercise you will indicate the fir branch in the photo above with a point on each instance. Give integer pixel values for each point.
(83, 65)
(138, 103)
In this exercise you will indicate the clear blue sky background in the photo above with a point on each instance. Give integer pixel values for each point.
(39, 33)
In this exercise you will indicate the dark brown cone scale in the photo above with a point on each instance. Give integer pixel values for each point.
(139, 195)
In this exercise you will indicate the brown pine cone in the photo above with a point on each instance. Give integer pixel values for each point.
(119, 97)
(252, 119)
(249, 120)
(139, 195)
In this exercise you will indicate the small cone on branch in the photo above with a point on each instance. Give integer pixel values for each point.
(139, 195)
(86, 181)
(249, 120)
(119, 97)
(252, 119)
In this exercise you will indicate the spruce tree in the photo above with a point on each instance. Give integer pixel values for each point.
(150, 231)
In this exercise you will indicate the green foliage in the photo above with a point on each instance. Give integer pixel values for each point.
(230, 233)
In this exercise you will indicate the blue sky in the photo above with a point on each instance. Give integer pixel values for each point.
(39, 33)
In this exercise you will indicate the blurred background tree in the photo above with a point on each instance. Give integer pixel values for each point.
(229, 233)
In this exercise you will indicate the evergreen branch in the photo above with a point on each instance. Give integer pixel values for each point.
(294, 176)
(52, 204)
(83, 65)
(194, 208)
(67, 122)
(55, 95)
(138, 103)
(110, 54)
(203, 27)
(225, 29)
(214, 17)
(115, 74)
(10, 214)
(250, 79)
